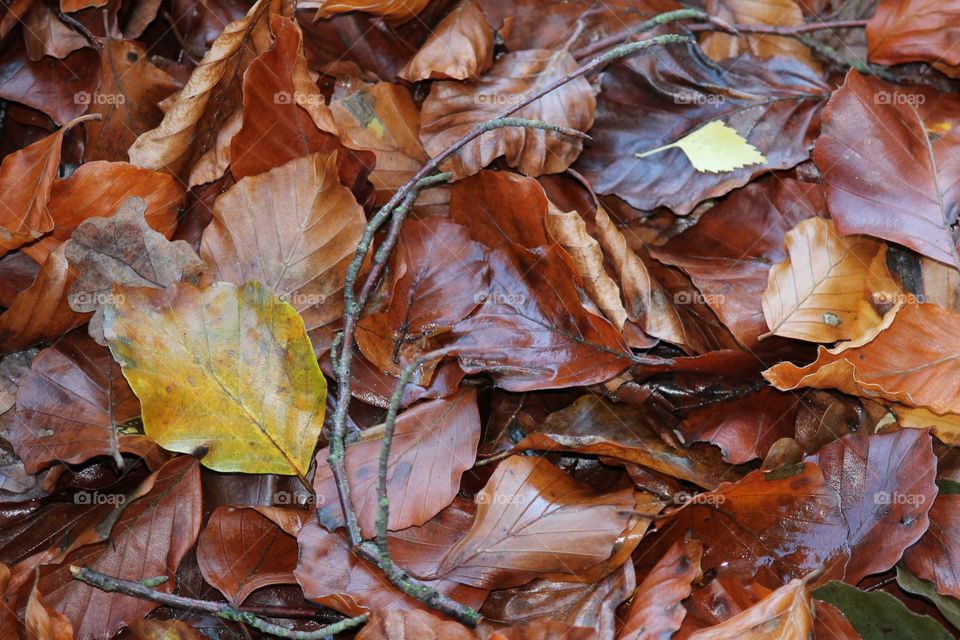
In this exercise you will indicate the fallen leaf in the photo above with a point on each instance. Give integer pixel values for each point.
(526, 516)
(395, 9)
(70, 405)
(714, 148)
(163, 630)
(434, 443)
(316, 224)
(936, 555)
(774, 13)
(453, 108)
(886, 175)
(823, 290)
(149, 539)
(399, 625)
(460, 47)
(877, 614)
(49, 85)
(656, 610)
(915, 31)
(645, 103)
(910, 358)
(46, 35)
(43, 622)
(123, 250)
(785, 614)
(226, 368)
(240, 551)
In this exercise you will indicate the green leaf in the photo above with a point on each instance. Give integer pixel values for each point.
(714, 148)
(949, 607)
(878, 615)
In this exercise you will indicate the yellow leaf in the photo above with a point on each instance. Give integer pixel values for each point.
(227, 368)
(714, 148)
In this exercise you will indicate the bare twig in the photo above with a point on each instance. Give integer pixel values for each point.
(396, 209)
(80, 28)
(108, 583)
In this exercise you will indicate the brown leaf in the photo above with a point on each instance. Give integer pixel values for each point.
(40, 312)
(315, 222)
(645, 103)
(240, 551)
(43, 622)
(97, 189)
(440, 277)
(383, 118)
(729, 251)
(915, 31)
(149, 539)
(569, 229)
(434, 443)
(163, 630)
(45, 35)
(527, 334)
(911, 358)
(190, 124)
(453, 108)
(936, 556)
(823, 290)
(887, 154)
(589, 606)
(657, 610)
(277, 83)
(886, 485)
(543, 630)
(785, 614)
(460, 47)
(594, 426)
(70, 405)
(131, 88)
(400, 625)
(123, 250)
(334, 577)
(528, 512)
(773, 13)
(396, 9)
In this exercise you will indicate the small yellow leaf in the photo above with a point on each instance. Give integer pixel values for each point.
(714, 148)
(227, 368)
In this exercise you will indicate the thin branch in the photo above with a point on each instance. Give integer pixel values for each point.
(770, 30)
(80, 28)
(108, 583)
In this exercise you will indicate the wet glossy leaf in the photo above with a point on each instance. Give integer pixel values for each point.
(878, 615)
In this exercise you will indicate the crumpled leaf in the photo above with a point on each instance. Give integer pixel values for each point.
(225, 368)
(915, 31)
(460, 47)
(888, 174)
(650, 100)
(912, 357)
(569, 229)
(277, 83)
(526, 516)
(877, 614)
(70, 405)
(714, 148)
(189, 126)
(44, 623)
(240, 551)
(453, 108)
(785, 614)
(316, 224)
(149, 539)
(657, 610)
(434, 443)
(823, 291)
(123, 250)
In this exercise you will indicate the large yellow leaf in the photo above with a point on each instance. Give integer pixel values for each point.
(822, 291)
(227, 368)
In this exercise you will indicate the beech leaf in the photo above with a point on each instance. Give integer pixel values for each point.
(714, 148)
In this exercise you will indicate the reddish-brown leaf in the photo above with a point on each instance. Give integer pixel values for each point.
(888, 157)
(70, 404)
(657, 610)
(283, 110)
(785, 614)
(404, 625)
(396, 9)
(149, 539)
(528, 513)
(49, 85)
(44, 623)
(936, 556)
(241, 550)
(434, 443)
(772, 13)
(645, 103)
(453, 108)
(915, 31)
